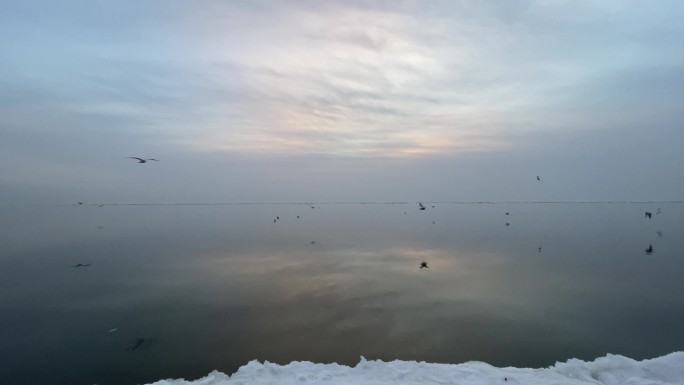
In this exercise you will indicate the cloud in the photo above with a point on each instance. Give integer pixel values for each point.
(372, 82)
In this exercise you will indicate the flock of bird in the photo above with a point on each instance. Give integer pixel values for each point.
(421, 207)
(423, 264)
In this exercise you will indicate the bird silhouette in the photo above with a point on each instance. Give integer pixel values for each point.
(539, 179)
(648, 214)
(420, 206)
(138, 343)
(649, 250)
(141, 160)
(423, 265)
(81, 265)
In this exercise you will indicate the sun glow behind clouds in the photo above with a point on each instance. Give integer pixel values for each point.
(340, 81)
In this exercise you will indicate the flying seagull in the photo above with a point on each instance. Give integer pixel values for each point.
(648, 214)
(421, 207)
(423, 265)
(141, 160)
(649, 250)
(81, 265)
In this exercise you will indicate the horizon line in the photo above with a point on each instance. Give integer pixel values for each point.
(102, 204)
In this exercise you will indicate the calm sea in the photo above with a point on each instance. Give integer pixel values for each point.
(178, 291)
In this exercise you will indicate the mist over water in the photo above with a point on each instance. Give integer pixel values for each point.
(199, 288)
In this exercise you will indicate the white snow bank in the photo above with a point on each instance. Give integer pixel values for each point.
(609, 370)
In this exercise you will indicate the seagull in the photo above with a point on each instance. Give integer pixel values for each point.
(81, 265)
(538, 178)
(421, 206)
(649, 251)
(423, 265)
(648, 214)
(141, 160)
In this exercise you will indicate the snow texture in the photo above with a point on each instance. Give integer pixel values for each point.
(609, 370)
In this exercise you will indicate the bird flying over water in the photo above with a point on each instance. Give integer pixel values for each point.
(81, 265)
(649, 250)
(420, 206)
(423, 265)
(648, 214)
(141, 160)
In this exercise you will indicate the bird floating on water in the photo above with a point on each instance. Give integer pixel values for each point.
(141, 160)
(423, 265)
(138, 343)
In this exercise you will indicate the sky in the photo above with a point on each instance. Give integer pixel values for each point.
(298, 101)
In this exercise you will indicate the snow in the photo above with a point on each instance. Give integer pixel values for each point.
(609, 370)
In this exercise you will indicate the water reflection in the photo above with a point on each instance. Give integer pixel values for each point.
(192, 289)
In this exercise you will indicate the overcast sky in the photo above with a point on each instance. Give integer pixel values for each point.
(294, 101)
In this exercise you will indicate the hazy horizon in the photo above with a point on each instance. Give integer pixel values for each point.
(296, 101)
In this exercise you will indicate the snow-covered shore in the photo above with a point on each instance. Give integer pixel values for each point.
(609, 370)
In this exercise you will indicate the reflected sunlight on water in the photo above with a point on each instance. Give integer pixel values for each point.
(212, 287)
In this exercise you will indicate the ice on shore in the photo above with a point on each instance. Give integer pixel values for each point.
(609, 370)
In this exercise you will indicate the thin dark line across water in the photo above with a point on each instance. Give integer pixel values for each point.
(323, 203)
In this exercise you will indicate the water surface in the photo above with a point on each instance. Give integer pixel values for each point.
(178, 291)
